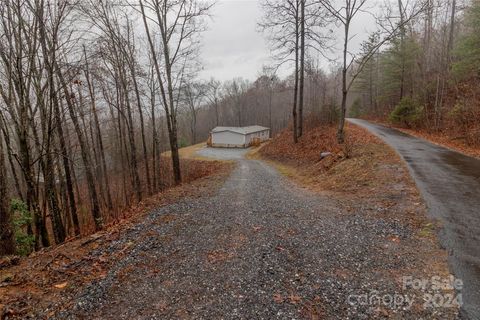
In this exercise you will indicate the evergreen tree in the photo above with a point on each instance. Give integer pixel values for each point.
(398, 70)
(467, 51)
(366, 82)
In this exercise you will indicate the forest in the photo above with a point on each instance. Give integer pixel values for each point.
(94, 92)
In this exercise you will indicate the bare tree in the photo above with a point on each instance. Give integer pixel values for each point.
(18, 48)
(194, 95)
(344, 12)
(292, 27)
(213, 95)
(179, 24)
(282, 20)
(7, 241)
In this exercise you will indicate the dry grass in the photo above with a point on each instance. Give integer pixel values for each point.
(190, 152)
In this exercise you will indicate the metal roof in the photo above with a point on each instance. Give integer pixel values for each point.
(241, 130)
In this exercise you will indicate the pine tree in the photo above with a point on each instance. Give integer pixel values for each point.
(467, 51)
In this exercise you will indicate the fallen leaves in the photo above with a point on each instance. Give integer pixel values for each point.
(166, 218)
(394, 238)
(308, 149)
(6, 277)
(294, 299)
(62, 285)
(216, 256)
(278, 298)
(9, 261)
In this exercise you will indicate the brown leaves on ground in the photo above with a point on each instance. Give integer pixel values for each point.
(363, 164)
(462, 138)
(61, 285)
(55, 273)
(309, 309)
(216, 256)
(448, 139)
(278, 298)
(307, 150)
(292, 298)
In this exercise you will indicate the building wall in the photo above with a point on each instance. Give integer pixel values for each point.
(228, 139)
(262, 135)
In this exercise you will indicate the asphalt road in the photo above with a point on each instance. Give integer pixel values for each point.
(450, 184)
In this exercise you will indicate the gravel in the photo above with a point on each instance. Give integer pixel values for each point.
(223, 153)
(260, 248)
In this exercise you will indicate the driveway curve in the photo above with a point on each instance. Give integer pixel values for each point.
(450, 184)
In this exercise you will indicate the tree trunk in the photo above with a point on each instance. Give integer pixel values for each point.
(155, 164)
(216, 112)
(97, 216)
(131, 139)
(451, 32)
(168, 103)
(98, 133)
(41, 234)
(402, 48)
(142, 124)
(343, 107)
(10, 158)
(46, 123)
(67, 171)
(302, 67)
(295, 89)
(7, 240)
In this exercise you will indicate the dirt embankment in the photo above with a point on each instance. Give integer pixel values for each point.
(459, 138)
(362, 166)
(54, 275)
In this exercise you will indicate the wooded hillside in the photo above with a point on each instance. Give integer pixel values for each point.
(92, 93)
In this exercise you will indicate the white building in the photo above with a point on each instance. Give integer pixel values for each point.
(238, 137)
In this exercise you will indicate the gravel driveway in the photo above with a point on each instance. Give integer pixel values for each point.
(223, 153)
(259, 248)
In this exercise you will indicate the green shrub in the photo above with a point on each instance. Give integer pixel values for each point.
(467, 49)
(407, 112)
(22, 218)
(182, 143)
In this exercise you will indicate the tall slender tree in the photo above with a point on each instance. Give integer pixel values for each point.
(179, 24)
(7, 241)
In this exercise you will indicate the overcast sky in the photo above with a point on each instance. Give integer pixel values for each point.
(232, 47)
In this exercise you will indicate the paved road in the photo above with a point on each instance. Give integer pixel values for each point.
(450, 184)
(258, 248)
